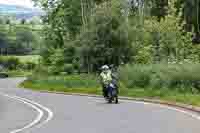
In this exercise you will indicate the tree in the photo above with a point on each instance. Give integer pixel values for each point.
(191, 15)
(105, 41)
(159, 8)
(25, 38)
(3, 43)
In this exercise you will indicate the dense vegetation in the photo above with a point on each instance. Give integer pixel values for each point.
(18, 37)
(84, 35)
(20, 42)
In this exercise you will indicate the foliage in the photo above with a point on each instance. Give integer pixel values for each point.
(69, 68)
(84, 35)
(17, 63)
(183, 77)
(19, 39)
(9, 63)
(28, 66)
(57, 62)
(161, 41)
(191, 15)
(105, 41)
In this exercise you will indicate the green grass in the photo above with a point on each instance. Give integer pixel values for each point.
(18, 73)
(74, 84)
(171, 96)
(25, 59)
(79, 84)
(28, 58)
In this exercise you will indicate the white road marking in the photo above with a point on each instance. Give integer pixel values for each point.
(193, 115)
(50, 113)
(38, 118)
(34, 106)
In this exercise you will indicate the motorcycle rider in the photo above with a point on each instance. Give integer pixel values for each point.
(105, 79)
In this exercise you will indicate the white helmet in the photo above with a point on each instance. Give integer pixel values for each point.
(105, 67)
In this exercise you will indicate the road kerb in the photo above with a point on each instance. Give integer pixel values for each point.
(154, 101)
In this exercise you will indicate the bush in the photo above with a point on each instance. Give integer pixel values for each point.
(40, 70)
(69, 68)
(16, 63)
(133, 76)
(184, 77)
(27, 66)
(54, 70)
(10, 63)
(3, 75)
(30, 65)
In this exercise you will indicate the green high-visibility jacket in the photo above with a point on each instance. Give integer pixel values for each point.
(106, 77)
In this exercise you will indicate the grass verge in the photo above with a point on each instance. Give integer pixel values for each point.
(75, 85)
(17, 73)
(25, 59)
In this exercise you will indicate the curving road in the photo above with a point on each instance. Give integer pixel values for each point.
(25, 111)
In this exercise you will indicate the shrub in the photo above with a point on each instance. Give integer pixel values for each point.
(27, 66)
(183, 77)
(11, 63)
(54, 70)
(136, 75)
(40, 70)
(69, 68)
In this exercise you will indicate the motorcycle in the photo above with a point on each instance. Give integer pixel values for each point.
(112, 93)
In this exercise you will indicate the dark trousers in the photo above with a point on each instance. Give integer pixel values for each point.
(105, 90)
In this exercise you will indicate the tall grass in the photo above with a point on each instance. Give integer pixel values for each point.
(183, 77)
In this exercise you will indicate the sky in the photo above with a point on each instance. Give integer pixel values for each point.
(25, 3)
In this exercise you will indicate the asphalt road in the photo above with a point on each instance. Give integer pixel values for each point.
(25, 111)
